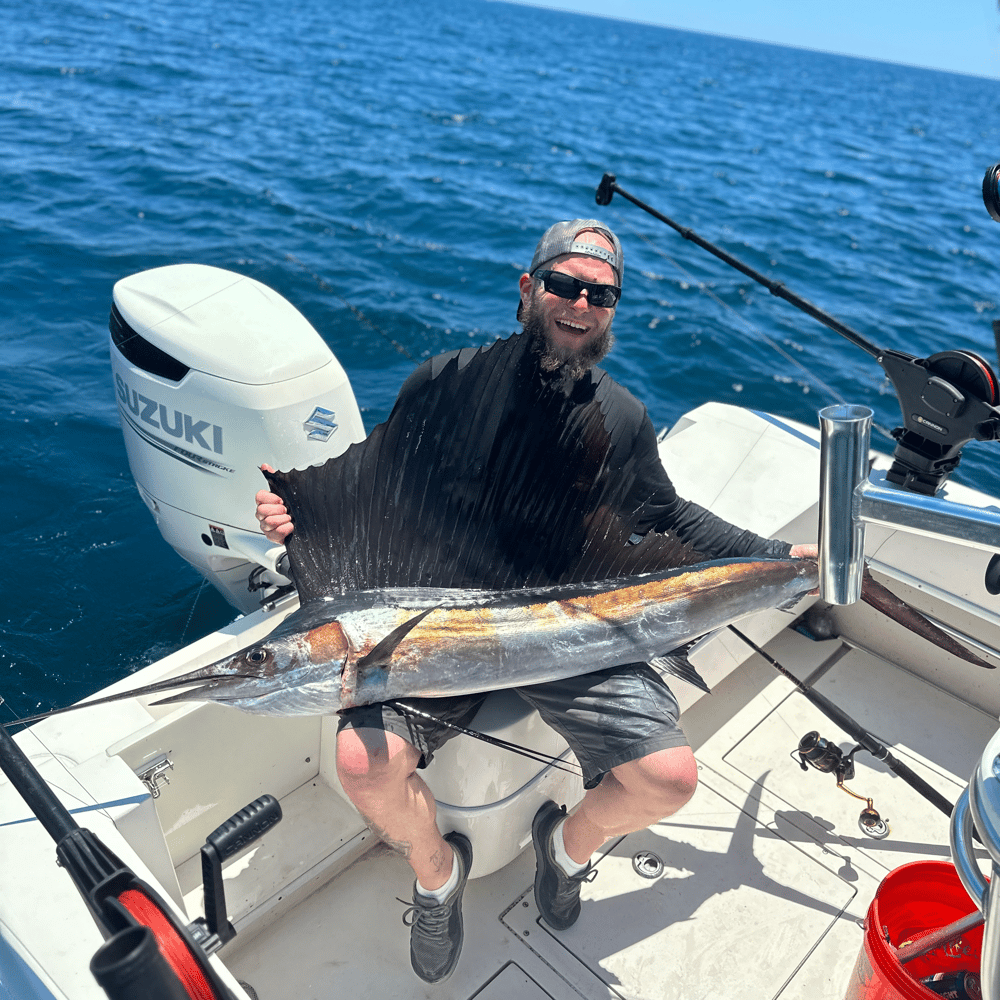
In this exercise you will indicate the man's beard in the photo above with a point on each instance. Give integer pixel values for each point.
(571, 363)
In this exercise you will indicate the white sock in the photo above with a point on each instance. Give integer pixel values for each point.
(565, 862)
(439, 895)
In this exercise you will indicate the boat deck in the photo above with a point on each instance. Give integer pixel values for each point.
(766, 874)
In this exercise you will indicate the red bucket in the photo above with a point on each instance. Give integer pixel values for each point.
(912, 901)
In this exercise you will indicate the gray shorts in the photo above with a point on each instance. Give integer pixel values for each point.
(608, 718)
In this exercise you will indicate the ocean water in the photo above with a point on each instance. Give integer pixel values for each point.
(388, 168)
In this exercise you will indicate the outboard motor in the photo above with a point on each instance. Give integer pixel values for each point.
(215, 373)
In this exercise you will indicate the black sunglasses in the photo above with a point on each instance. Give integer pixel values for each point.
(567, 287)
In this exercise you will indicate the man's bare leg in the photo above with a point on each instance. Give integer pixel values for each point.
(378, 771)
(631, 797)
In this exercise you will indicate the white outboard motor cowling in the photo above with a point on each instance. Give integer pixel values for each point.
(215, 374)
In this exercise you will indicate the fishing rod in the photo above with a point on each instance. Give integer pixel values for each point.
(537, 755)
(946, 400)
(606, 191)
(825, 757)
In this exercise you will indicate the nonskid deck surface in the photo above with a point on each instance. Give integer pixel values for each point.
(766, 875)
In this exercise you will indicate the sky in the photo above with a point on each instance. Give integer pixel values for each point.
(961, 36)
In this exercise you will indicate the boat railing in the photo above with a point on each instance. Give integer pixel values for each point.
(852, 497)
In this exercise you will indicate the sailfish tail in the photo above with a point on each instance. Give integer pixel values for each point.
(883, 600)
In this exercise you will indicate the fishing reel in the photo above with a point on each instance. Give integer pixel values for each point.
(991, 191)
(825, 756)
(946, 401)
(822, 755)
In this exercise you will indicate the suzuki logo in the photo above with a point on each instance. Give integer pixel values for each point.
(175, 423)
(320, 425)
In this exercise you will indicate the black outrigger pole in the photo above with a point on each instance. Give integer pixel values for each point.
(946, 400)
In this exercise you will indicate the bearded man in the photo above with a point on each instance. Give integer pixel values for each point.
(542, 466)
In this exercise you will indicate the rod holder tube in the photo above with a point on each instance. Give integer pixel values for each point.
(845, 433)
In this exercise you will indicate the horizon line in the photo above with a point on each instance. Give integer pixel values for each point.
(744, 38)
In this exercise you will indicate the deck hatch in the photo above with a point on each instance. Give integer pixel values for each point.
(934, 733)
(743, 906)
(511, 983)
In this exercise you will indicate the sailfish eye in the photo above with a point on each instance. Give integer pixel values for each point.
(257, 656)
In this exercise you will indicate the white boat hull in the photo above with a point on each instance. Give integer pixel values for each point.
(766, 874)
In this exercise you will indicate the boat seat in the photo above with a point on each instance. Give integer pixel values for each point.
(489, 793)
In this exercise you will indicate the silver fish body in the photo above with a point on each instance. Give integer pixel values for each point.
(334, 653)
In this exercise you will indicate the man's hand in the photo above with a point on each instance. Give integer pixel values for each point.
(809, 551)
(275, 521)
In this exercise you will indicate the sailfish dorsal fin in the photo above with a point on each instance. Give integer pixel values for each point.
(486, 475)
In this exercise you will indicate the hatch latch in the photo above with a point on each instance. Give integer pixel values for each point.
(153, 774)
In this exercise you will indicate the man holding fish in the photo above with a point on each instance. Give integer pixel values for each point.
(553, 412)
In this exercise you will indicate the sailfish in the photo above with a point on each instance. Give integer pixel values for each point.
(485, 537)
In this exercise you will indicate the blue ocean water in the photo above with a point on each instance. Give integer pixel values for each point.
(388, 167)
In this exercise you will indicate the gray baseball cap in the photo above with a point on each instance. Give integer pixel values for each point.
(562, 238)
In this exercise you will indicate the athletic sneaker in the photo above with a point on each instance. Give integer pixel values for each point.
(436, 930)
(557, 895)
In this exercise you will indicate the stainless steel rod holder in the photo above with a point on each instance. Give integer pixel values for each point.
(843, 467)
(850, 499)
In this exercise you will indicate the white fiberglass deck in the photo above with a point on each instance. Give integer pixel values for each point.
(766, 878)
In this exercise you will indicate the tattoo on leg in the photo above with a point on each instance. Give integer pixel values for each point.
(439, 863)
(401, 847)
